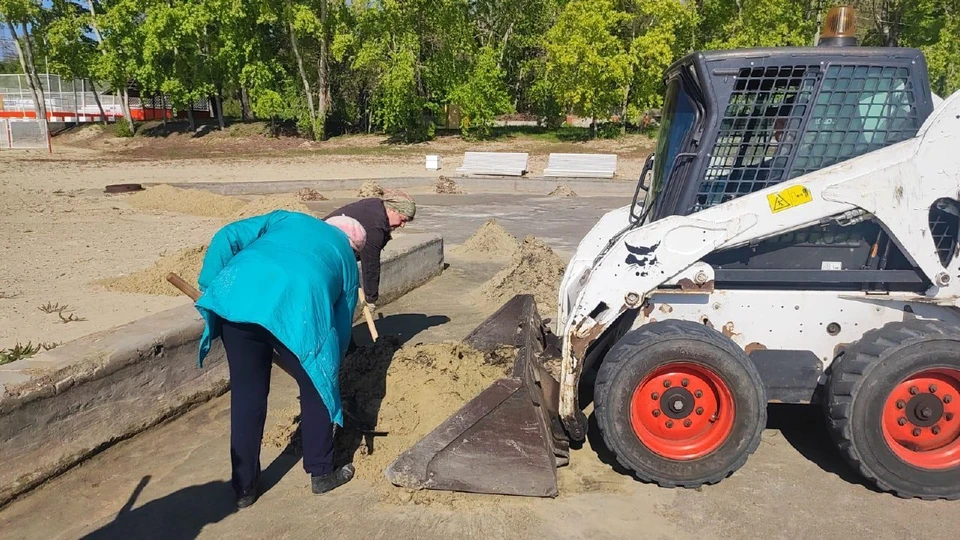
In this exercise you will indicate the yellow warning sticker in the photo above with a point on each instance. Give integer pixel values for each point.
(789, 198)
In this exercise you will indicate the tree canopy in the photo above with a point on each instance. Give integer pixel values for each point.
(402, 67)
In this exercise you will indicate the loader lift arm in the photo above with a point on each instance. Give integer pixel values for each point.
(896, 186)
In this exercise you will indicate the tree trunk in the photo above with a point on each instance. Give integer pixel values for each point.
(623, 109)
(193, 123)
(93, 22)
(25, 55)
(303, 73)
(503, 44)
(37, 101)
(245, 113)
(96, 97)
(163, 111)
(323, 79)
(125, 105)
(218, 99)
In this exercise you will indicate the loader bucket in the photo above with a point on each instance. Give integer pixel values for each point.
(508, 440)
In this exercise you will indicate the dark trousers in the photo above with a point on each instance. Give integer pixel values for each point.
(249, 350)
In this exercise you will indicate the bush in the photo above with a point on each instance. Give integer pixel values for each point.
(122, 129)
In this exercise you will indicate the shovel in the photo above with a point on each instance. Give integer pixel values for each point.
(350, 421)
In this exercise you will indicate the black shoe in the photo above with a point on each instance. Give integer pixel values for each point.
(328, 482)
(247, 499)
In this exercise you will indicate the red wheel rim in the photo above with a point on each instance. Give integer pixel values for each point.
(682, 411)
(920, 422)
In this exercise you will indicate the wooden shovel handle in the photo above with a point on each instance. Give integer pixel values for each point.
(367, 315)
(184, 287)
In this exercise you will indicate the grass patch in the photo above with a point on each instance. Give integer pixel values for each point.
(18, 352)
(49, 308)
(21, 351)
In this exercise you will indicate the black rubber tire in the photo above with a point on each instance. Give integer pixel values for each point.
(860, 382)
(643, 350)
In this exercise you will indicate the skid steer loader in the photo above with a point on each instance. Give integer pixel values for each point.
(798, 243)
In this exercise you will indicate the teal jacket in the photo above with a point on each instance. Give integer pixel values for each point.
(294, 275)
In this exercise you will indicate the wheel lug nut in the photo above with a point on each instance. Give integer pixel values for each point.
(936, 430)
(947, 398)
(687, 423)
(901, 404)
(699, 410)
(916, 432)
(948, 416)
(901, 421)
(698, 394)
(654, 396)
(933, 389)
(684, 382)
(914, 390)
(669, 423)
(666, 384)
(656, 413)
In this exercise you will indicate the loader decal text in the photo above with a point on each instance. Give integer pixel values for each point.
(789, 198)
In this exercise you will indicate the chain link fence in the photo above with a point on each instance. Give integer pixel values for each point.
(24, 134)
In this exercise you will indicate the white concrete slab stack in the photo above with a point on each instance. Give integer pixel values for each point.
(493, 164)
(581, 165)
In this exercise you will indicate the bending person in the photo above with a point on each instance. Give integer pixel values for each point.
(284, 282)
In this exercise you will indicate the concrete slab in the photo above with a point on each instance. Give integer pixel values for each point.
(61, 406)
(529, 185)
(560, 222)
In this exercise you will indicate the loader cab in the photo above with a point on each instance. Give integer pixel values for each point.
(735, 122)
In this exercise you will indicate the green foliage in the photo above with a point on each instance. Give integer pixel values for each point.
(732, 24)
(661, 32)
(586, 63)
(943, 57)
(18, 352)
(482, 96)
(21, 351)
(395, 66)
(122, 129)
(9, 65)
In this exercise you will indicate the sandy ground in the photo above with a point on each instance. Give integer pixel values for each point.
(60, 234)
(58, 244)
(173, 481)
(87, 160)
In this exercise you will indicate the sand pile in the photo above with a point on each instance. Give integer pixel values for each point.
(535, 269)
(153, 280)
(490, 241)
(563, 190)
(310, 194)
(370, 189)
(269, 203)
(408, 393)
(447, 186)
(405, 391)
(197, 202)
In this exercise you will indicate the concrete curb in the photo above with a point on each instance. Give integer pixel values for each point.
(470, 184)
(64, 405)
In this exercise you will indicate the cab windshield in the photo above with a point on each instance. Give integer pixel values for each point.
(679, 117)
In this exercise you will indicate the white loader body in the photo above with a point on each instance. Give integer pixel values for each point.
(657, 266)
